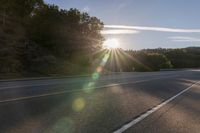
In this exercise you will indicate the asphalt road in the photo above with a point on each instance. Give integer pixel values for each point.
(152, 102)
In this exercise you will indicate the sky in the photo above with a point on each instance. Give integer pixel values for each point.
(141, 24)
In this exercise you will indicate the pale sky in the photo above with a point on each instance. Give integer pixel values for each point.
(139, 24)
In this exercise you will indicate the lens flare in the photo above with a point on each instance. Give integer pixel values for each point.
(99, 69)
(111, 43)
(88, 88)
(105, 59)
(63, 125)
(78, 104)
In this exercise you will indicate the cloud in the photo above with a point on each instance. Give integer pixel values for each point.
(184, 39)
(118, 31)
(145, 28)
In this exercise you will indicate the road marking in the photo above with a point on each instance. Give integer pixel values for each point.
(146, 114)
(20, 86)
(77, 90)
(57, 83)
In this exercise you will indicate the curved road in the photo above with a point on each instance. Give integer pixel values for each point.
(161, 102)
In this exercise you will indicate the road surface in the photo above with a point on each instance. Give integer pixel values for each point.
(151, 102)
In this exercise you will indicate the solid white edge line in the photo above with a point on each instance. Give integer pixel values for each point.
(143, 116)
(77, 90)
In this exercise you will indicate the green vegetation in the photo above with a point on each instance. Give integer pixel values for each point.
(41, 39)
(156, 59)
(150, 61)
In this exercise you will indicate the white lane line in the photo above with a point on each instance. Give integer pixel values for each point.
(143, 116)
(21, 86)
(57, 83)
(77, 90)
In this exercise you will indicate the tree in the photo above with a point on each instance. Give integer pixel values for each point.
(63, 32)
(149, 60)
(20, 8)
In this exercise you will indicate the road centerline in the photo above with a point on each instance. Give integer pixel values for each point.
(77, 90)
(53, 83)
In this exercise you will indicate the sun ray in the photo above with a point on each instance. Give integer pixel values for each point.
(111, 43)
(134, 59)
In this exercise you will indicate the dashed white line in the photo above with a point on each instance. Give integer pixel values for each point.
(143, 116)
(57, 83)
(76, 90)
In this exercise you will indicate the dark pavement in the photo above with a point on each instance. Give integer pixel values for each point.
(82, 105)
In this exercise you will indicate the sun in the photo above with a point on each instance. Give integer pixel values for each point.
(111, 43)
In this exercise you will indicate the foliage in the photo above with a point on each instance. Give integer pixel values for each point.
(40, 38)
(63, 32)
(138, 61)
(156, 59)
(36, 37)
